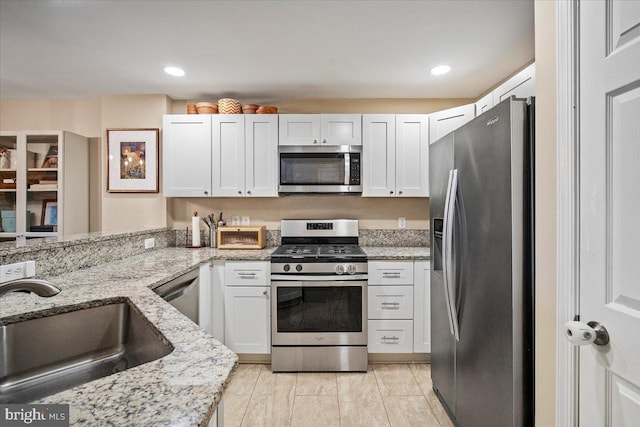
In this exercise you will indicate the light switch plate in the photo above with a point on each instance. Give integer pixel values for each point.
(402, 222)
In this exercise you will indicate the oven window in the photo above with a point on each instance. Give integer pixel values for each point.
(312, 169)
(319, 309)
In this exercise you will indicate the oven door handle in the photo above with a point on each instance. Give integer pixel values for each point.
(316, 284)
(332, 278)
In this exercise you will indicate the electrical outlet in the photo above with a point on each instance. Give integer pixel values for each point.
(149, 243)
(246, 220)
(12, 272)
(402, 222)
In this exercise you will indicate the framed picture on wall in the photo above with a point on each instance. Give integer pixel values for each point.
(132, 160)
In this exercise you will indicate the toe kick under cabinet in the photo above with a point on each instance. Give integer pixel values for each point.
(398, 309)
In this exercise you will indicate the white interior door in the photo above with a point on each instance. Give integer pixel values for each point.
(609, 273)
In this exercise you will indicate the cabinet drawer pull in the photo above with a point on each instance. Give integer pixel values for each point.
(264, 293)
(391, 274)
(246, 275)
(390, 305)
(393, 339)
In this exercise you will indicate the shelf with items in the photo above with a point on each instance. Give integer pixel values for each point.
(8, 184)
(49, 170)
(40, 179)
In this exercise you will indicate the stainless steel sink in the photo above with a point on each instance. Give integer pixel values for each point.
(45, 355)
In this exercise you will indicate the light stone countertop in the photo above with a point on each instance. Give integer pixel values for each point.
(182, 388)
(397, 253)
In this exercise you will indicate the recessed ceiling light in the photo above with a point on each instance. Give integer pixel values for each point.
(440, 69)
(174, 71)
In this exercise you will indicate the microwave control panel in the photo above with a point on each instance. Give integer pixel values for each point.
(354, 176)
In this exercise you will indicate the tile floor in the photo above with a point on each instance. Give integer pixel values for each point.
(386, 395)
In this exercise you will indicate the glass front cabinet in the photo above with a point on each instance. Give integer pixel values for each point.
(44, 190)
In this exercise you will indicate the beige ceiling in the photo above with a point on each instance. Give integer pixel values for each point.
(261, 50)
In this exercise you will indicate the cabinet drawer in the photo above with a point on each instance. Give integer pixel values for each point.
(390, 302)
(246, 273)
(391, 272)
(390, 336)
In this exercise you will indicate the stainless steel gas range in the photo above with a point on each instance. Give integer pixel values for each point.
(319, 298)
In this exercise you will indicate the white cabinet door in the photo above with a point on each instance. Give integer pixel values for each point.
(378, 155)
(246, 273)
(390, 302)
(299, 129)
(522, 85)
(341, 129)
(261, 156)
(228, 154)
(390, 272)
(484, 104)
(445, 121)
(186, 155)
(412, 155)
(390, 336)
(247, 319)
(422, 308)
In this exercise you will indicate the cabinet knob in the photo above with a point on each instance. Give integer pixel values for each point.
(400, 192)
(391, 192)
(239, 192)
(206, 192)
(315, 141)
(249, 192)
(264, 292)
(324, 141)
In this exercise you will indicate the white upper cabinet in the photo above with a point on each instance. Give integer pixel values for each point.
(186, 155)
(522, 85)
(485, 103)
(412, 155)
(228, 154)
(395, 155)
(261, 155)
(445, 121)
(299, 129)
(220, 155)
(320, 129)
(378, 155)
(341, 129)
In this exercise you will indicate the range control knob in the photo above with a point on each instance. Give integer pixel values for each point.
(298, 267)
(351, 269)
(339, 269)
(286, 267)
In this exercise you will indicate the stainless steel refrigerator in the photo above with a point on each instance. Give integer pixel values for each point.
(481, 206)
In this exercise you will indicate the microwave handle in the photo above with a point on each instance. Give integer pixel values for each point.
(347, 168)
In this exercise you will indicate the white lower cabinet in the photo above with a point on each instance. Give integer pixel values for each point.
(247, 307)
(390, 336)
(422, 307)
(390, 307)
(390, 302)
(398, 307)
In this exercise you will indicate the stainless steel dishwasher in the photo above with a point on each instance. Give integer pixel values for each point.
(182, 293)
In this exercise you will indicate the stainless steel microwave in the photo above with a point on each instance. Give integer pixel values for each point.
(328, 169)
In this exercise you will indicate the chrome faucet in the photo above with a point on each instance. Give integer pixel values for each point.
(42, 288)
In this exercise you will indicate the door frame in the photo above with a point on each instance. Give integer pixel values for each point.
(568, 209)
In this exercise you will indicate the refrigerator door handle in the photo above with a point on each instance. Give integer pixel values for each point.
(447, 249)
